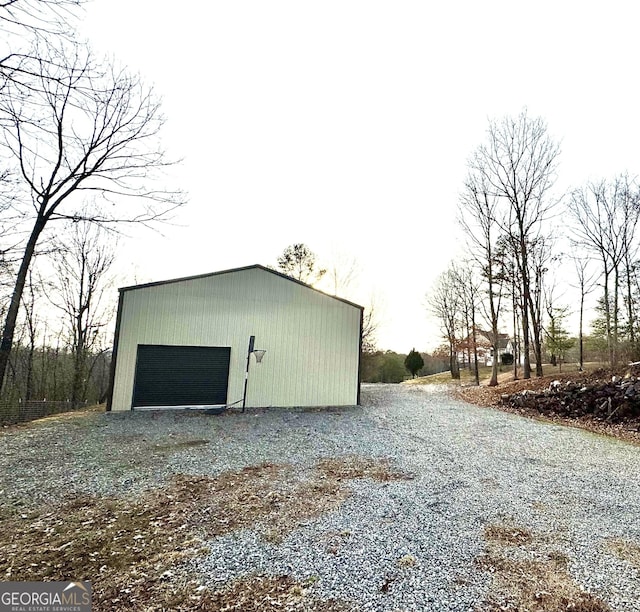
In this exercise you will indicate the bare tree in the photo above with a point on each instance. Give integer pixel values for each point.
(631, 214)
(605, 216)
(82, 263)
(31, 325)
(469, 288)
(27, 29)
(370, 325)
(79, 128)
(517, 165)
(300, 262)
(341, 272)
(444, 303)
(478, 217)
(514, 290)
(541, 256)
(40, 17)
(586, 283)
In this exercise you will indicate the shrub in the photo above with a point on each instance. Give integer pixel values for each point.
(507, 359)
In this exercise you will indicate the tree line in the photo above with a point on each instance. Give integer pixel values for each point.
(390, 367)
(518, 234)
(80, 157)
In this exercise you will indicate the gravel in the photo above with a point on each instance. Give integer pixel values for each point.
(472, 467)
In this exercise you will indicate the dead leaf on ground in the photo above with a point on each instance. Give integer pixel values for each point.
(129, 548)
(540, 583)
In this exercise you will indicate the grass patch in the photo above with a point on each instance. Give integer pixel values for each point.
(466, 377)
(539, 583)
(507, 535)
(626, 550)
(269, 594)
(505, 373)
(129, 548)
(540, 586)
(347, 468)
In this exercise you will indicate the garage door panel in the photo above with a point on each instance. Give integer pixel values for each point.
(181, 375)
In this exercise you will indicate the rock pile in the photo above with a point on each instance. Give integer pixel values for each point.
(614, 400)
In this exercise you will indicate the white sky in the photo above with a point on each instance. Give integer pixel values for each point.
(346, 125)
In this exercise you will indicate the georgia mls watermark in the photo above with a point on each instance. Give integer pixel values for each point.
(45, 596)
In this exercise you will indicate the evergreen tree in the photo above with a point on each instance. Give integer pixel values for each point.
(413, 362)
(300, 262)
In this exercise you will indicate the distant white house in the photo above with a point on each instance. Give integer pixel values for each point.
(505, 347)
(483, 348)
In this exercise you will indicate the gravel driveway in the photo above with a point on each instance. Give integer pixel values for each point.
(413, 544)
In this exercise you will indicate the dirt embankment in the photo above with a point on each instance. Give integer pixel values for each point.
(603, 401)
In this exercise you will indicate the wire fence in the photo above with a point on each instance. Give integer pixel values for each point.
(23, 411)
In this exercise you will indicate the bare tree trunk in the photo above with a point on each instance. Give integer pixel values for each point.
(516, 343)
(526, 366)
(476, 371)
(28, 394)
(56, 362)
(580, 329)
(44, 367)
(607, 319)
(630, 311)
(535, 327)
(30, 325)
(537, 346)
(585, 284)
(616, 314)
(453, 363)
(9, 328)
(493, 382)
(78, 378)
(467, 305)
(79, 332)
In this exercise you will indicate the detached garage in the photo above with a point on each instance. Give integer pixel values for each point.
(245, 337)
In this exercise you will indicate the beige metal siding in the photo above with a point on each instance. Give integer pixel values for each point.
(311, 339)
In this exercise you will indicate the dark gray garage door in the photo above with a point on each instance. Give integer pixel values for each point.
(181, 375)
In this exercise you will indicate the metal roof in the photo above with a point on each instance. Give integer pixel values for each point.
(231, 271)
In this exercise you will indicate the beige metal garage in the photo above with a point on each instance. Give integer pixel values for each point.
(190, 342)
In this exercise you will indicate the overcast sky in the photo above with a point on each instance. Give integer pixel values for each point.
(346, 125)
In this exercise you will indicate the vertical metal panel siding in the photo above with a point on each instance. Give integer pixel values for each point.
(312, 340)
